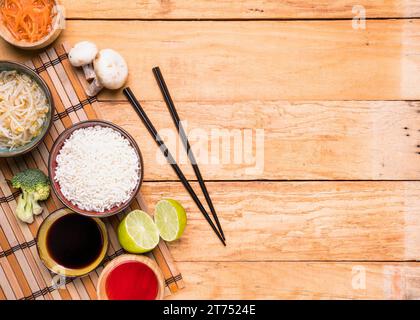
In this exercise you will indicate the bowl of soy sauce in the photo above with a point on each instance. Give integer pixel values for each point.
(71, 244)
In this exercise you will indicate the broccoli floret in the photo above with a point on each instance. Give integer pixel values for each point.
(35, 187)
(24, 210)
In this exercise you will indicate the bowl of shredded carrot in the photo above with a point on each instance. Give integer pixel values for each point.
(31, 24)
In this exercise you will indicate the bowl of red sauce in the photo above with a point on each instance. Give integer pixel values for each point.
(131, 277)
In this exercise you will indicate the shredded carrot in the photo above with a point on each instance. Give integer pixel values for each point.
(27, 20)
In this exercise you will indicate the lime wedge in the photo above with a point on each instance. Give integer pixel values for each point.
(170, 219)
(137, 233)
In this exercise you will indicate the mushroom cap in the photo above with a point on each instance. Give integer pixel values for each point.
(111, 69)
(83, 53)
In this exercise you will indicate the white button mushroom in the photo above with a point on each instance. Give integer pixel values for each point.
(111, 71)
(82, 55)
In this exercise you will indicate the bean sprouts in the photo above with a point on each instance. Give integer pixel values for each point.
(23, 109)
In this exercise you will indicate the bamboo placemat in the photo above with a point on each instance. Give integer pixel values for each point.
(22, 274)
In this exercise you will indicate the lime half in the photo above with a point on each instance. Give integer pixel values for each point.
(137, 233)
(170, 219)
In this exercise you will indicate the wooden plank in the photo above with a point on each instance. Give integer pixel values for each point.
(261, 60)
(302, 140)
(246, 9)
(273, 221)
(300, 280)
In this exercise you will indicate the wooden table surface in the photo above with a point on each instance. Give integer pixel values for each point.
(335, 212)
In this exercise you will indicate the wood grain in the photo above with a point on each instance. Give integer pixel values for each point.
(302, 140)
(300, 280)
(267, 221)
(311, 85)
(261, 60)
(246, 9)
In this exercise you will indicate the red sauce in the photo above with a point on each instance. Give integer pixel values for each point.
(131, 281)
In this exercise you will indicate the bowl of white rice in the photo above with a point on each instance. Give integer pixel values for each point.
(96, 168)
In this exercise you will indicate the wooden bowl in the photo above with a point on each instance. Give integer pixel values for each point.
(101, 288)
(57, 26)
(52, 165)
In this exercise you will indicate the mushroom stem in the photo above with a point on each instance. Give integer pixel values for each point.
(89, 71)
(94, 88)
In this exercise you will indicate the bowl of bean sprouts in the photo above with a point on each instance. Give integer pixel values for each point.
(26, 109)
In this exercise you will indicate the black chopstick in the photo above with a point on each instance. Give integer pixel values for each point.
(146, 121)
(175, 118)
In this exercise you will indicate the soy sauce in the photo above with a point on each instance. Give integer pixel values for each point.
(74, 241)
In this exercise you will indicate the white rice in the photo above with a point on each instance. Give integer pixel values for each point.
(97, 169)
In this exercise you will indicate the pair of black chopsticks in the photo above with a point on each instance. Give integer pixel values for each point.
(174, 114)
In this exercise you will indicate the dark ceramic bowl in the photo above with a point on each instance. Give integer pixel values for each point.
(52, 165)
(10, 66)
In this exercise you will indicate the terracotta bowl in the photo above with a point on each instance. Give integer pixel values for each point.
(101, 288)
(49, 262)
(52, 165)
(57, 26)
(9, 66)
